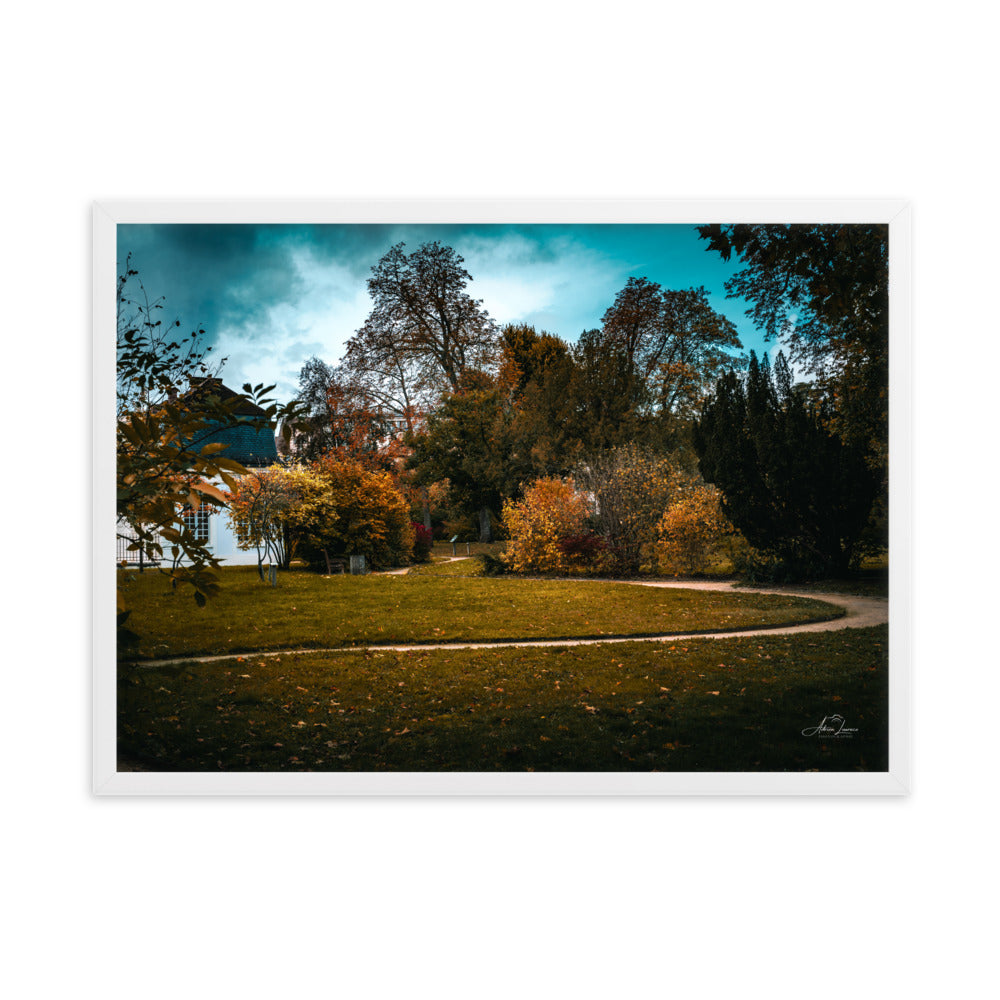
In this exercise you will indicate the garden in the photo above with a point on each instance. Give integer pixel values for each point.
(477, 547)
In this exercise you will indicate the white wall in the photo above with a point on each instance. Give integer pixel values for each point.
(222, 539)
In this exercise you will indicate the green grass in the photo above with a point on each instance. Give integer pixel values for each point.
(470, 566)
(307, 610)
(737, 704)
(440, 549)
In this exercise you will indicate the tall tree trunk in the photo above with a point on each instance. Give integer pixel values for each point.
(425, 499)
(485, 528)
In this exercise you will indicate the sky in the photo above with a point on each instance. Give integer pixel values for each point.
(269, 297)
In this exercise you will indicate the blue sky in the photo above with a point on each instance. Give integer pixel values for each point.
(271, 296)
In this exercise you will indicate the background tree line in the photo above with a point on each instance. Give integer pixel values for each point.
(459, 419)
(485, 410)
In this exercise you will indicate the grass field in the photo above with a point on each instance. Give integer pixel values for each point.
(738, 704)
(311, 611)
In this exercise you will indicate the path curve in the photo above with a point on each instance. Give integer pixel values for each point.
(860, 612)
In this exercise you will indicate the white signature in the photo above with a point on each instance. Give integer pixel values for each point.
(833, 726)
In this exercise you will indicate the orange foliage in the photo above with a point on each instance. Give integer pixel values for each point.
(691, 528)
(550, 511)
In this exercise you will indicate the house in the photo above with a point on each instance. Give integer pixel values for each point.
(252, 447)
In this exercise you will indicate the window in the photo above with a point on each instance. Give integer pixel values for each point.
(196, 521)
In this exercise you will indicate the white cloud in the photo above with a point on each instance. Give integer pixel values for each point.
(521, 279)
(273, 347)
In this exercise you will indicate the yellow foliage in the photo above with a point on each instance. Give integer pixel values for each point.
(550, 511)
(336, 505)
(690, 529)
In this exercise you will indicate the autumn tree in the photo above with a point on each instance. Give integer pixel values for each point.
(424, 330)
(550, 511)
(630, 489)
(797, 490)
(170, 415)
(268, 506)
(345, 420)
(355, 511)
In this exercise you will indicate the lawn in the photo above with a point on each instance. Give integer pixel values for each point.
(311, 611)
(735, 704)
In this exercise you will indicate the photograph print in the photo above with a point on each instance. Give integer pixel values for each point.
(500, 497)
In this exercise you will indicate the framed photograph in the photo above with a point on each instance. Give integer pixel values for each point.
(501, 497)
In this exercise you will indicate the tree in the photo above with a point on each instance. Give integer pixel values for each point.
(169, 460)
(630, 488)
(633, 324)
(344, 420)
(674, 343)
(607, 394)
(316, 433)
(356, 511)
(266, 505)
(466, 441)
(536, 377)
(796, 490)
(424, 330)
(824, 291)
(696, 344)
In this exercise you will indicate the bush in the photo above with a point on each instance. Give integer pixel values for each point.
(492, 565)
(691, 530)
(359, 512)
(550, 511)
(631, 489)
(423, 539)
(754, 566)
(583, 550)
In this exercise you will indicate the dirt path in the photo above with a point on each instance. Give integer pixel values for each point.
(860, 612)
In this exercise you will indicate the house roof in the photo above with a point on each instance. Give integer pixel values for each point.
(248, 445)
(216, 387)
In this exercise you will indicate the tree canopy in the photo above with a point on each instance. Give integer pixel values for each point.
(796, 490)
(425, 330)
(824, 291)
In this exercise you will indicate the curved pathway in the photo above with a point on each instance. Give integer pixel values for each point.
(860, 612)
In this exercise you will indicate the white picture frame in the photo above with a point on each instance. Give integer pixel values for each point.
(107, 215)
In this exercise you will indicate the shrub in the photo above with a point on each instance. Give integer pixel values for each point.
(691, 530)
(583, 550)
(550, 511)
(423, 539)
(360, 512)
(631, 488)
(491, 565)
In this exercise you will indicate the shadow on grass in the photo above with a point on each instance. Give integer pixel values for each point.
(738, 704)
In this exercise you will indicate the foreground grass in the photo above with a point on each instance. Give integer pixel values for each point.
(735, 704)
(311, 611)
